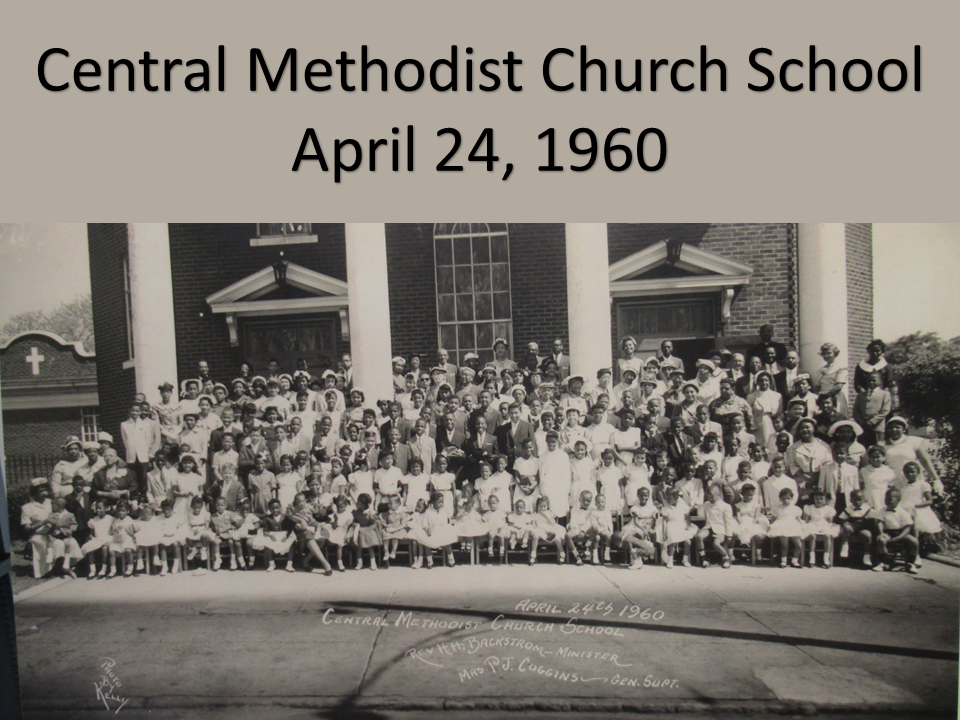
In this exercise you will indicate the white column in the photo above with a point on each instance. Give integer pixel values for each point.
(588, 298)
(151, 300)
(369, 299)
(822, 249)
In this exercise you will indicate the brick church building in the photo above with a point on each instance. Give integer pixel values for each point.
(168, 295)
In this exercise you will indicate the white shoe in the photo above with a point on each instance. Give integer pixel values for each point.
(156, 561)
(919, 562)
(637, 564)
(163, 571)
(417, 563)
(217, 562)
(867, 560)
(271, 566)
(203, 554)
(845, 550)
(192, 553)
(176, 567)
(140, 566)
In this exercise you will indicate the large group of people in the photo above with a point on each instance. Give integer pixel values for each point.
(648, 458)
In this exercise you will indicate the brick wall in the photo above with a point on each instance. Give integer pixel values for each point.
(108, 247)
(538, 271)
(206, 258)
(38, 431)
(412, 284)
(859, 240)
(770, 249)
(57, 363)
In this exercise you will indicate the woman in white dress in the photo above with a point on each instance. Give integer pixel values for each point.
(902, 448)
(628, 347)
(766, 403)
(833, 377)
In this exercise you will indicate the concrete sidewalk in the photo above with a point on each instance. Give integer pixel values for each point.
(753, 640)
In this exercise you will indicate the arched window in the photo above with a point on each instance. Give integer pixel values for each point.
(473, 288)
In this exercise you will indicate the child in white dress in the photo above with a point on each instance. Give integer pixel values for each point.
(442, 481)
(788, 527)
(393, 523)
(189, 486)
(148, 536)
(638, 535)
(469, 523)
(610, 480)
(496, 521)
(287, 482)
(249, 525)
(583, 477)
(99, 539)
(519, 524)
(677, 528)
(525, 472)
(819, 518)
(122, 541)
(876, 477)
(916, 496)
(751, 522)
(197, 530)
(171, 537)
(637, 477)
(414, 485)
(546, 528)
(436, 533)
(579, 537)
(341, 523)
(719, 526)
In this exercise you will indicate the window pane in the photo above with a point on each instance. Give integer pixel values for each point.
(465, 336)
(448, 338)
(501, 276)
(444, 252)
(501, 305)
(481, 250)
(485, 356)
(499, 249)
(446, 309)
(481, 278)
(442, 229)
(484, 335)
(502, 330)
(461, 250)
(464, 307)
(484, 306)
(464, 279)
(445, 280)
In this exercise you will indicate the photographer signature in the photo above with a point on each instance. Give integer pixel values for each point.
(107, 685)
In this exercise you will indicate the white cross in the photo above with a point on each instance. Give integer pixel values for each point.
(35, 359)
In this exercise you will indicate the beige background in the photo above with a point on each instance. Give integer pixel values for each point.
(226, 156)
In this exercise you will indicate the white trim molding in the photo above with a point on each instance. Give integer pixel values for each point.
(241, 298)
(76, 347)
(712, 273)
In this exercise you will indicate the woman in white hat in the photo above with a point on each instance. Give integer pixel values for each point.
(707, 381)
(33, 519)
(765, 403)
(832, 379)
(847, 432)
(628, 359)
(61, 480)
(902, 448)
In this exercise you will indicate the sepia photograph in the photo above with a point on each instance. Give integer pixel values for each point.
(377, 470)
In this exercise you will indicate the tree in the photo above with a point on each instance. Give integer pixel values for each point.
(929, 385)
(72, 320)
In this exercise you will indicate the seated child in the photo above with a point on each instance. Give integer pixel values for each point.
(311, 534)
(916, 496)
(719, 526)
(197, 530)
(857, 520)
(546, 528)
(171, 536)
(249, 525)
(224, 524)
(690, 487)
(579, 537)
(677, 528)
(751, 522)
(519, 524)
(496, 521)
(100, 538)
(896, 533)
(122, 542)
(435, 532)
(469, 523)
(637, 536)
(668, 480)
(819, 518)
(62, 524)
(368, 530)
(788, 527)
(601, 530)
(413, 527)
(148, 536)
(393, 524)
(276, 537)
(341, 524)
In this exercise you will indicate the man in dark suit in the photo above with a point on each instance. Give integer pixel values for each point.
(401, 451)
(398, 421)
(783, 380)
(766, 340)
(677, 441)
(510, 436)
(450, 442)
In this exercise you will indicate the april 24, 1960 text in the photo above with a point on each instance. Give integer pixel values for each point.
(618, 149)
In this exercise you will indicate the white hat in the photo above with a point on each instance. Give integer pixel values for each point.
(399, 360)
(471, 356)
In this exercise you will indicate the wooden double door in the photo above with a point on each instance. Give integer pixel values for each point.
(287, 339)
